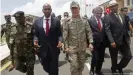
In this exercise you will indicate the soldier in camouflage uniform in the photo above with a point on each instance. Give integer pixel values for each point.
(8, 28)
(29, 19)
(25, 55)
(76, 32)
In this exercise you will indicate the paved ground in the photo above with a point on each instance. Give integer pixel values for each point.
(64, 68)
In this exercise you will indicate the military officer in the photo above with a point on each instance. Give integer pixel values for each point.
(76, 34)
(8, 28)
(25, 55)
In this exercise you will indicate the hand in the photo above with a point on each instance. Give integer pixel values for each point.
(91, 47)
(36, 44)
(11, 67)
(67, 50)
(36, 49)
(59, 44)
(113, 45)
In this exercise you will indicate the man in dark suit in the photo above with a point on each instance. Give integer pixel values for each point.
(117, 32)
(97, 27)
(124, 11)
(48, 36)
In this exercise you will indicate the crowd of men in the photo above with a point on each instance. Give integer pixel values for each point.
(47, 35)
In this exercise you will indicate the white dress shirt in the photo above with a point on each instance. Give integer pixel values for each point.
(44, 22)
(100, 22)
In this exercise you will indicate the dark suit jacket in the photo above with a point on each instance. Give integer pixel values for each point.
(115, 30)
(98, 36)
(47, 43)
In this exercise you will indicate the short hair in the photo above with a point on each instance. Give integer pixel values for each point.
(97, 9)
(122, 9)
(65, 12)
(59, 16)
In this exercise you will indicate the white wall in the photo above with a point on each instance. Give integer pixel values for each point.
(125, 3)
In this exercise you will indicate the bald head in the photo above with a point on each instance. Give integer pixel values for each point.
(98, 12)
(46, 4)
(47, 10)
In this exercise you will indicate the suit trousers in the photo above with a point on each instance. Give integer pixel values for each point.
(98, 56)
(50, 62)
(125, 51)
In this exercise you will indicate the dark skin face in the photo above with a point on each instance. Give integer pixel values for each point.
(47, 10)
(20, 20)
(114, 8)
(65, 14)
(8, 18)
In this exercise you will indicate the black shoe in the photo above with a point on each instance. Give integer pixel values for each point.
(99, 73)
(120, 71)
(22, 68)
(114, 72)
(92, 72)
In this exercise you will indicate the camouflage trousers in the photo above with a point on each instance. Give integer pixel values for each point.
(77, 61)
(10, 46)
(26, 63)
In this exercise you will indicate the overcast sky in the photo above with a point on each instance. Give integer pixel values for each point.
(34, 7)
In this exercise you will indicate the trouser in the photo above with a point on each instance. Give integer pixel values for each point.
(97, 57)
(50, 61)
(77, 61)
(11, 58)
(126, 56)
(25, 64)
(10, 46)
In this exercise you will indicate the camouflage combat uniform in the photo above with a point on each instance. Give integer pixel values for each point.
(9, 30)
(75, 34)
(25, 55)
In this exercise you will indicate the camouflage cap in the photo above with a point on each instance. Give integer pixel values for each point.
(19, 14)
(74, 4)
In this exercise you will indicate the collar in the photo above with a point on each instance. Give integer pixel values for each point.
(96, 18)
(47, 18)
(116, 13)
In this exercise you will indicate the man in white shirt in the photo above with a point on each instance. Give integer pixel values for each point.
(48, 37)
(97, 27)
